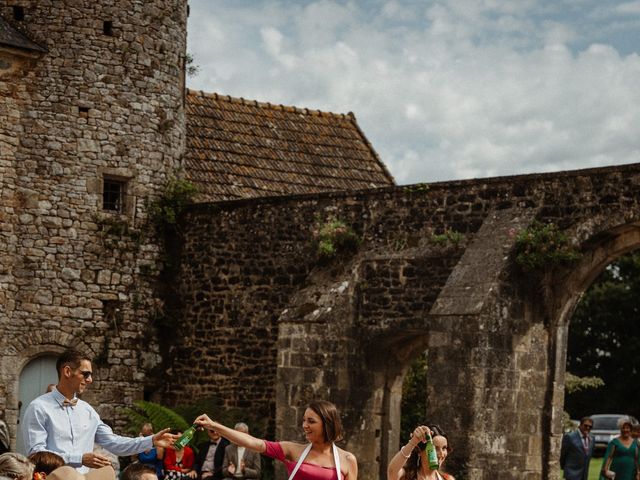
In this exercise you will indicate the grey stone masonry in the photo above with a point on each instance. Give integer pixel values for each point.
(266, 324)
(103, 102)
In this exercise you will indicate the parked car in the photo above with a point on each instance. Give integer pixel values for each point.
(605, 427)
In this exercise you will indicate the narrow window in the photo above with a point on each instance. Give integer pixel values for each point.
(112, 310)
(113, 195)
(107, 28)
(18, 13)
(83, 111)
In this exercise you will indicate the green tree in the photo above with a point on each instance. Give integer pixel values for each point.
(603, 334)
(414, 397)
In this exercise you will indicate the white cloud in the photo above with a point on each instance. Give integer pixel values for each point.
(628, 8)
(454, 89)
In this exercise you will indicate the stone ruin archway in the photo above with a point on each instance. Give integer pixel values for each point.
(564, 295)
(293, 328)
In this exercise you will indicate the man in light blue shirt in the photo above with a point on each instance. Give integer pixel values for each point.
(61, 423)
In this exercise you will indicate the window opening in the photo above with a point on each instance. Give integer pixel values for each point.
(113, 195)
(107, 28)
(18, 13)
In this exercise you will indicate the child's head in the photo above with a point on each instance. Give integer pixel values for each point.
(46, 462)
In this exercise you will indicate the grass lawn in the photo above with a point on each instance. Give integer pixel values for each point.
(594, 468)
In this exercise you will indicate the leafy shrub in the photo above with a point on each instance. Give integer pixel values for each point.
(448, 237)
(335, 238)
(165, 210)
(542, 245)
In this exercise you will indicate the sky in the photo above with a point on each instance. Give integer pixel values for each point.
(443, 90)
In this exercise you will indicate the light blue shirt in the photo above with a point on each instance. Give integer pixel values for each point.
(70, 432)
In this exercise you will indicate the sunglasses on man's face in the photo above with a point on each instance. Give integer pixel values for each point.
(587, 426)
(86, 374)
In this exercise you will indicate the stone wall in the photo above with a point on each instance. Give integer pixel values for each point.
(105, 101)
(264, 324)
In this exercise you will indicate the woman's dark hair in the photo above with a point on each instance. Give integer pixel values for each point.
(331, 423)
(412, 465)
(46, 462)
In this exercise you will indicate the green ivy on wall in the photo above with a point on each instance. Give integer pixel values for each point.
(335, 238)
(543, 245)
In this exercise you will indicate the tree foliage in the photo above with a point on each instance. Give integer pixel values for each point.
(414, 397)
(603, 334)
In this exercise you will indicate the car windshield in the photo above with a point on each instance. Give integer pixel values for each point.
(605, 423)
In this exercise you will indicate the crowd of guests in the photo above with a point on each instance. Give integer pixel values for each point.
(66, 440)
(216, 459)
(50, 466)
(621, 459)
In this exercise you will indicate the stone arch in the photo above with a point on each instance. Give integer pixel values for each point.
(599, 251)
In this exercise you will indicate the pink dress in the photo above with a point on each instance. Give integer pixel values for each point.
(307, 471)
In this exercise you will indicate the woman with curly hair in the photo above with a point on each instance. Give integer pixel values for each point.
(411, 462)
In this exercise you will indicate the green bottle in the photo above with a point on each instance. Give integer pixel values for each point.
(185, 438)
(431, 453)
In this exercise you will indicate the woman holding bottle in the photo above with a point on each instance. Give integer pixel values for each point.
(320, 459)
(412, 461)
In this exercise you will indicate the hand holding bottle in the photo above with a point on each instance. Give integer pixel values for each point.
(420, 435)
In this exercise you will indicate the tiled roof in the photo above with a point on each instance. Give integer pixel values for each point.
(11, 37)
(238, 148)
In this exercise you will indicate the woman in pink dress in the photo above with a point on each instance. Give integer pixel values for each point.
(320, 459)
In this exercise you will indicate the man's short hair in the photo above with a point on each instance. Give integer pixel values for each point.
(585, 419)
(241, 426)
(70, 357)
(135, 471)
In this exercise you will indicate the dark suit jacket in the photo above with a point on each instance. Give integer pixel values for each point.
(573, 459)
(218, 458)
(252, 465)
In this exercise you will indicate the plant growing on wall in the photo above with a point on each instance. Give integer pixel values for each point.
(335, 238)
(542, 245)
(166, 209)
(449, 237)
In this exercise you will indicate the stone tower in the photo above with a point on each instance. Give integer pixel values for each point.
(91, 126)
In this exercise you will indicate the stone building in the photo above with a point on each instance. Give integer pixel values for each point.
(92, 124)
(95, 118)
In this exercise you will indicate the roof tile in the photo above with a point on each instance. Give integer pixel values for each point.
(239, 148)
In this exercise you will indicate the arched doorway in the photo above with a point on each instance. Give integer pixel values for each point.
(34, 378)
(602, 251)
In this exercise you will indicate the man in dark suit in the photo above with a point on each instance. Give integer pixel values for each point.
(211, 456)
(241, 463)
(576, 451)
